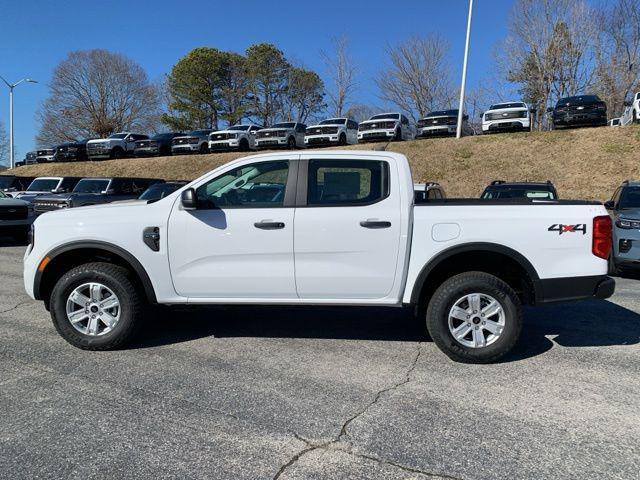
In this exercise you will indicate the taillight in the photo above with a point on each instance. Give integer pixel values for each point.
(601, 243)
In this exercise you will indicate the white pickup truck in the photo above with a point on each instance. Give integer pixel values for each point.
(331, 228)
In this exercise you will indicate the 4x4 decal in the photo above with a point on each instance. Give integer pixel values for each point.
(561, 228)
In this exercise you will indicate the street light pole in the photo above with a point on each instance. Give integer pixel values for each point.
(11, 86)
(464, 72)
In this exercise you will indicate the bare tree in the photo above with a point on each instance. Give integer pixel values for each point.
(418, 79)
(549, 51)
(618, 53)
(360, 112)
(342, 70)
(94, 93)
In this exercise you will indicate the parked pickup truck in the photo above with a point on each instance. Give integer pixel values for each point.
(118, 145)
(94, 191)
(319, 228)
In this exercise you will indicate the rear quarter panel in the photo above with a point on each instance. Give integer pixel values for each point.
(523, 228)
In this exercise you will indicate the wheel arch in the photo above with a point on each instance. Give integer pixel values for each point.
(65, 257)
(499, 260)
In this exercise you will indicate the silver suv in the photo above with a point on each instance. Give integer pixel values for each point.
(624, 208)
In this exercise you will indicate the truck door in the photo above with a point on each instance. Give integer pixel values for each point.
(238, 243)
(347, 228)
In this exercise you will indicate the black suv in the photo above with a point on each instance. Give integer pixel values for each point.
(13, 183)
(158, 145)
(94, 191)
(579, 111)
(526, 190)
(75, 151)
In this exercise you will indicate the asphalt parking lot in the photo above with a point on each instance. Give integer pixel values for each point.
(298, 393)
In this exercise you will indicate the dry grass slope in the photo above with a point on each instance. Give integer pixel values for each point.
(586, 163)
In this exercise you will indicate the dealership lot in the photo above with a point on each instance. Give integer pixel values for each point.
(246, 392)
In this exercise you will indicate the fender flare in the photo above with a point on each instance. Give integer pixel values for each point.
(473, 247)
(99, 245)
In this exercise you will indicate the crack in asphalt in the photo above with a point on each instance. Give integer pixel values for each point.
(345, 446)
(19, 304)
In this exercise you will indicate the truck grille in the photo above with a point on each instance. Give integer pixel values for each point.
(505, 115)
(322, 131)
(222, 136)
(185, 141)
(14, 213)
(44, 153)
(377, 126)
(272, 133)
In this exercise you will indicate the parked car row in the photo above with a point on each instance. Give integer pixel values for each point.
(24, 198)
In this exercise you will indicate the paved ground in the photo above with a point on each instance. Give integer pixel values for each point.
(293, 393)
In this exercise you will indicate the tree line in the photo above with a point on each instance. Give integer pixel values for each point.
(554, 48)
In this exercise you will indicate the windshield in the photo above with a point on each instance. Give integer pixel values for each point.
(118, 135)
(6, 181)
(284, 125)
(384, 116)
(578, 100)
(443, 113)
(499, 106)
(43, 185)
(630, 198)
(159, 190)
(239, 128)
(334, 121)
(536, 193)
(91, 186)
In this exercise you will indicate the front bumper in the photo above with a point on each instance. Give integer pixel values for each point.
(511, 125)
(626, 246)
(186, 148)
(439, 131)
(146, 151)
(376, 135)
(230, 144)
(554, 290)
(322, 139)
(575, 119)
(271, 142)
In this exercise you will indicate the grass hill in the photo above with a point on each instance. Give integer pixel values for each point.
(583, 163)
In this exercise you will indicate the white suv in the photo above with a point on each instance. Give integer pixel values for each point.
(238, 137)
(333, 131)
(385, 127)
(284, 134)
(508, 116)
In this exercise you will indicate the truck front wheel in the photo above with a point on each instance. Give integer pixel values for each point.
(96, 306)
(474, 317)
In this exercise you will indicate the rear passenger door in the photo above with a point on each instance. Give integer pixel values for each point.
(347, 228)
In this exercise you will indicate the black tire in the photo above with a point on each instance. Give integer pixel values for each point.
(454, 289)
(117, 279)
(116, 153)
(398, 136)
(291, 143)
(343, 139)
(204, 148)
(244, 145)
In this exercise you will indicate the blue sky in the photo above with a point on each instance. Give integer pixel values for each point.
(36, 35)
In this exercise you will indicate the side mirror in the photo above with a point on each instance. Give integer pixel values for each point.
(628, 103)
(481, 114)
(609, 205)
(58, 190)
(189, 199)
(110, 191)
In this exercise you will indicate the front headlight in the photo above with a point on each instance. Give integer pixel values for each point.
(628, 224)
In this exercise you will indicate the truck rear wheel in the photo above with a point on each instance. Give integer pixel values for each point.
(96, 306)
(474, 317)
